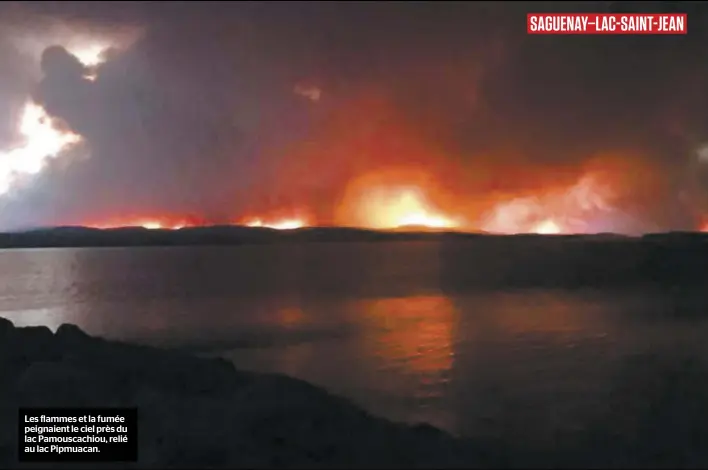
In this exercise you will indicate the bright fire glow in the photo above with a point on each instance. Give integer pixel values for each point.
(176, 223)
(547, 227)
(146, 223)
(42, 141)
(91, 55)
(564, 211)
(285, 224)
(387, 208)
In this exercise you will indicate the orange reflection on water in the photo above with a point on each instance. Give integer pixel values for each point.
(556, 313)
(295, 357)
(415, 335)
(291, 316)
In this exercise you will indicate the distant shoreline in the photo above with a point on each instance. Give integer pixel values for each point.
(238, 235)
(464, 260)
(203, 236)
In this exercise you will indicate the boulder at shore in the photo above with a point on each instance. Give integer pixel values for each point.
(196, 412)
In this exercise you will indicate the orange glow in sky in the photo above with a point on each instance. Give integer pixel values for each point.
(555, 211)
(150, 223)
(386, 208)
(402, 198)
(280, 224)
(547, 227)
(395, 198)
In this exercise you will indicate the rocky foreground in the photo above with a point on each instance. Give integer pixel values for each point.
(197, 412)
(203, 413)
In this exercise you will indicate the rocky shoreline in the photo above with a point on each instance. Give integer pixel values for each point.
(204, 413)
(196, 412)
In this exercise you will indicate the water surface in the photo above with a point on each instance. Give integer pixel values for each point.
(401, 328)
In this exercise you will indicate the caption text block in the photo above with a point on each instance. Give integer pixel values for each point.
(77, 435)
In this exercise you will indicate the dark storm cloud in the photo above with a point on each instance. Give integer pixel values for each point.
(197, 114)
(15, 84)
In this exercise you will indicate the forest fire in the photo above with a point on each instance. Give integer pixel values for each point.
(281, 224)
(396, 198)
(407, 208)
(591, 199)
(551, 201)
(383, 203)
(374, 170)
(155, 225)
(390, 208)
(149, 223)
(547, 227)
(431, 151)
(564, 210)
(176, 223)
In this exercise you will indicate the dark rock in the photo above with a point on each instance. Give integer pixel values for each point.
(60, 384)
(7, 362)
(36, 343)
(6, 327)
(71, 336)
(203, 412)
(24, 346)
(167, 370)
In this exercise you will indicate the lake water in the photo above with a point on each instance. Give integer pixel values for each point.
(394, 326)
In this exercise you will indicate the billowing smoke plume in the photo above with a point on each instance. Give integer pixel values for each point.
(258, 111)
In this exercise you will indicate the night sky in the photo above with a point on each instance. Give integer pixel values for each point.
(220, 109)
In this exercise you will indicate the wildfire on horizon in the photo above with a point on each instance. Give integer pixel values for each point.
(562, 210)
(150, 223)
(277, 224)
(568, 209)
(435, 152)
(408, 211)
(406, 200)
(167, 222)
(395, 208)
(394, 197)
(547, 227)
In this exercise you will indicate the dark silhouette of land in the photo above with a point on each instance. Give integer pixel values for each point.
(197, 412)
(71, 236)
(486, 261)
(200, 413)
